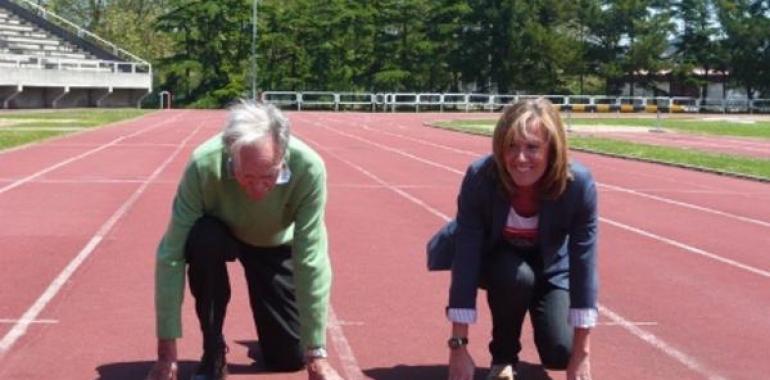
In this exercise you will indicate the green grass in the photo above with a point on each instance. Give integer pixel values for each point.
(720, 163)
(76, 117)
(56, 123)
(10, 139)
(720, 128)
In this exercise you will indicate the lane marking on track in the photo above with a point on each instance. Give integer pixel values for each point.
(688, 248)
(600, 184)
(350, 366)
(611, 324)
(350, 323)
(687, 205)
(90, 181)
(648, 190)
(370, 186)
(85, 154)
(389, 149)
(421, 141)
(127, 145)
(41, 321)
(79, 181)
(661, 345)
(20, 328)
(629, 326)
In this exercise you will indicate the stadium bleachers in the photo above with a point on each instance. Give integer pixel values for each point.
(47, 61)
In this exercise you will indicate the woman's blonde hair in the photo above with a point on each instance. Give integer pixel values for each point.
(516, 121)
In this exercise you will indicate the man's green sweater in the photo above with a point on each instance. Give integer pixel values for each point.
(292, 213)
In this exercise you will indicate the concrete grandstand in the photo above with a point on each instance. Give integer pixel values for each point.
(47, 61)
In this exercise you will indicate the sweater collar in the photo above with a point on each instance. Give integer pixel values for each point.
(284, 176)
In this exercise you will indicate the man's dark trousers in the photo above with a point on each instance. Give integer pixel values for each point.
(269, 277)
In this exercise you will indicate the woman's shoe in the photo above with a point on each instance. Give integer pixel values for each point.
(501, 372)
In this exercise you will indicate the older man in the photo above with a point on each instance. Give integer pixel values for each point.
(252, 194)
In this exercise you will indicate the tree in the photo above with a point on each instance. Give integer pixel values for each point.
(746, 25)
(445, 27)
(85, 13)
(645, 26)
(402, 58)
(697, 48)
(211, 49)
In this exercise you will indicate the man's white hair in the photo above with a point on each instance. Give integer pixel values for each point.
(251, 122)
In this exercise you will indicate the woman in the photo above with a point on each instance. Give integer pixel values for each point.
(526, 230)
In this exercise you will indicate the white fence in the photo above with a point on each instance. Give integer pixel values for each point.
(472, 102)
(50, 63)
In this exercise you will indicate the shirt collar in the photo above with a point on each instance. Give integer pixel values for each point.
(284, 176)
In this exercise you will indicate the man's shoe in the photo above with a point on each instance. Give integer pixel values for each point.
(501, 372)
(213, 365)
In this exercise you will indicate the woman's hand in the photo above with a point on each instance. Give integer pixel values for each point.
(579, 367)
(461, 366)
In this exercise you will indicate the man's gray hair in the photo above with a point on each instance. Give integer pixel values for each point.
(250, 122)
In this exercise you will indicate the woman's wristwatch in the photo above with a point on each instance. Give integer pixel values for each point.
(456, 342)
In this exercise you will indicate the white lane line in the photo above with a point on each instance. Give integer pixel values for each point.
(89, 181)
(661, 345)
(79, 181)
(612, 187)
(41, 321)
(370, 186)
(20, 328)
(389, 149)
(350, 323)
(629, 326)
(428, 143)
(131, 145)
(382, 183)
(688, 248)
(611, 324)
(350, 366)
(649, 190)
(686, 205)
(84, 154)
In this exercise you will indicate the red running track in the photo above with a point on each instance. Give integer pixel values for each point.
(683, 256)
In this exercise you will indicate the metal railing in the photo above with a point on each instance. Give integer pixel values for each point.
(474, 102)
(52, 63)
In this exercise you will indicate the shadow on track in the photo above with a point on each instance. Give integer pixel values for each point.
(526, 371)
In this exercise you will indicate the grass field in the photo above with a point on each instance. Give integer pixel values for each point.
(23, 127)
(719, 163)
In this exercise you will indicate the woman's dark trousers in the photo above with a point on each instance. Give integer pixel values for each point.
(515, 285)
(268, 270)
